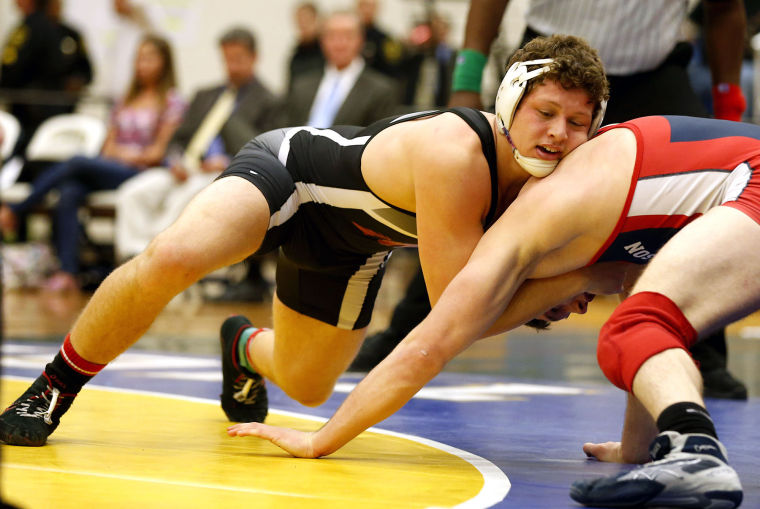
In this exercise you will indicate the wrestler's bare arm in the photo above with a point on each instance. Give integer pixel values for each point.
(452, 186)
(536, 296)
(505, 256)
(452, 196)
(510, 251)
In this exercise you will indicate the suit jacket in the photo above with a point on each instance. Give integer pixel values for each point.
(257, 111)
(373, 97)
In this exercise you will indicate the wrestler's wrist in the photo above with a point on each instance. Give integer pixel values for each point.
(468, 71)
(728, 101)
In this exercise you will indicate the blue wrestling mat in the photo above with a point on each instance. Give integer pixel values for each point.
(530, 430)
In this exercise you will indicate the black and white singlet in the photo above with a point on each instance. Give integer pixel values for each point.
(334, 234)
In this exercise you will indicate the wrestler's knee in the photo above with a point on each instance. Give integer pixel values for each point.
(304, 381)
(642, 326)
(308, 393)
(173, 259)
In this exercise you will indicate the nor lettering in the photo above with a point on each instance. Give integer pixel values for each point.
(637, 251)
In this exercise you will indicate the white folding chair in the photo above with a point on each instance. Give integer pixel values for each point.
(64, 136)
(59, 138)
(56, 139)
(10, 169)
(11, 129)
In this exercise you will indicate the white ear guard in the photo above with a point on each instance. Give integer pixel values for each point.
(596, 123)
(508, 97)
(512, 89)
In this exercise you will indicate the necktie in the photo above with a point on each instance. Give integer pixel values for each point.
(207, 131)
(323, 112)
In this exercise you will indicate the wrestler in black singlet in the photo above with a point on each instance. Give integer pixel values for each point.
(334, 234)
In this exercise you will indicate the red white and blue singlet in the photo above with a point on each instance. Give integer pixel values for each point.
(684, 167)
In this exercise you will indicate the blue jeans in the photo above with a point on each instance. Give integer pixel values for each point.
(73, 179)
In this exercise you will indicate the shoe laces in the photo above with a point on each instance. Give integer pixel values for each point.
(241, 395)
(53, 400)
(46, 413)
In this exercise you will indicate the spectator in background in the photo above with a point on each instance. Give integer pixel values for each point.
(381, 51)
(699, 68)
(428, 64)
(307, 55)
(346, 91)
(132, 19)
(646, 65)
(219, 121)
(45, 66)
(140, 128)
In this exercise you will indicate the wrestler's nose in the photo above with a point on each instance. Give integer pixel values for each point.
(580, 305)
(558, 129)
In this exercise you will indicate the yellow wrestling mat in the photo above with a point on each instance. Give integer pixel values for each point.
(120, 449)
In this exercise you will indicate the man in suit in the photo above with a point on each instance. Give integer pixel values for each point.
(346, 91)
(219, 121)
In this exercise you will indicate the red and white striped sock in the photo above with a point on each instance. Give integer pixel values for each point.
(70, 371)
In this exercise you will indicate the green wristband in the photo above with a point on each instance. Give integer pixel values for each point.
(468, 72)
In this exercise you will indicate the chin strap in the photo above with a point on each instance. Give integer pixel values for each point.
(537, 167)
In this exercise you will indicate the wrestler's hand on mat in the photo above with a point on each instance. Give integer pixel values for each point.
(297, 443)
(611, 452)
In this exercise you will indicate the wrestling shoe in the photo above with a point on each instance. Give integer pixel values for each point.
(244, 395)
(35, 415)
(688, 471)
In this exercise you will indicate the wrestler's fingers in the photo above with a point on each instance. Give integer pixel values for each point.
(608, 451)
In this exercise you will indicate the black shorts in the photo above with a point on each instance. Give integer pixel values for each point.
(332, 248)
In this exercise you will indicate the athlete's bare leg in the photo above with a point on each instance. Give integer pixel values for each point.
(222, 225)
(708, 270)
(302, 355)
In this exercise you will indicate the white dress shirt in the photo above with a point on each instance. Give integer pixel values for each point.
(332, 92)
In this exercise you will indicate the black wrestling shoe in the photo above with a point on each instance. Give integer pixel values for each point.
(244, 395)
(719, 383)
(374, 349)
(35, 415)
(688, 471)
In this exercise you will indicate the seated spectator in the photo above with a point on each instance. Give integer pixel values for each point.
(220, 120)
(346, 91)
(139, 131)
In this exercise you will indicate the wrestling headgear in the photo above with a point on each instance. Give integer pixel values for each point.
(508, 97)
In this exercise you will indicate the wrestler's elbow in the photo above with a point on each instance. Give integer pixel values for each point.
(421, 361)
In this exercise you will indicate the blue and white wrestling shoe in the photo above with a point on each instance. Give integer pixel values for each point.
(688, 471)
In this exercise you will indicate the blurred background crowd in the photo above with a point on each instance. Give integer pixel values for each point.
(177, 88)
(120, 111)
